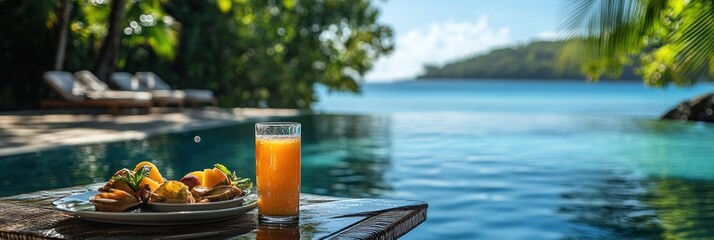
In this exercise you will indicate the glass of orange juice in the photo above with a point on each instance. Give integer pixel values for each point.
(277, 164)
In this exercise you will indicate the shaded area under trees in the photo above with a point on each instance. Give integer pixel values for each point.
(250, 53)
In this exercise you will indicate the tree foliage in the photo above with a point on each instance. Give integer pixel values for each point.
(673, 40)
(272, 53)
(249, 52)
(24, 50)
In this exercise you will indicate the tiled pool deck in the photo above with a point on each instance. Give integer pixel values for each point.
(37, 130)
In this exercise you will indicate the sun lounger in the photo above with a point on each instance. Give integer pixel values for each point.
(127, 82)
(193, 96)
(77, 95)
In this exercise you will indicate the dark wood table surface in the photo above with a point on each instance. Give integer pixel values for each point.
(32, 216)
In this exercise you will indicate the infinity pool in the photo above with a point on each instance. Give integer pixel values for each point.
(544, 177)
(565, 174)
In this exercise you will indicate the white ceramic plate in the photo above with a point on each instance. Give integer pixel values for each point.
(79, 205)
(177, 207)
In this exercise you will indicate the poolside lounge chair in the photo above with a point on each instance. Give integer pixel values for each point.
(127, 82)
(77, 95)
(194, 97)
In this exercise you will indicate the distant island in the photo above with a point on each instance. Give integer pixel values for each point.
(536, 60)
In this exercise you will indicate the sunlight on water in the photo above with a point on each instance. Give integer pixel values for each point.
(537, 177)
(547, 173)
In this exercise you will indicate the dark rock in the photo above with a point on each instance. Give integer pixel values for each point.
(700, 108)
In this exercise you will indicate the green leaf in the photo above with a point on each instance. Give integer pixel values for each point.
(242, 183)
(142, 172)
(673, 39)
(133, 178)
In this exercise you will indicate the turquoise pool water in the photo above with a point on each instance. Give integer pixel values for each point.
(495, 160)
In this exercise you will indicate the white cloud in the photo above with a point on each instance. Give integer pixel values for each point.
(440, 43)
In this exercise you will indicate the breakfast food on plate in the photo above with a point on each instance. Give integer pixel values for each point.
(124, 183)
(172, 192)
(213, 177)
(131, 189)
(190, 181)
(154, 174)
(216, 194)
(114, 201)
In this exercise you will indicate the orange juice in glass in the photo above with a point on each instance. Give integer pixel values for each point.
(277, 164)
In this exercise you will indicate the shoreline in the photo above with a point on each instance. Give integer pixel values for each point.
(31, 131)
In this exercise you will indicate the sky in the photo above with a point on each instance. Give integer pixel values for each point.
(439, 32)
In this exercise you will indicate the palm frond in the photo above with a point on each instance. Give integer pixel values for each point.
(652, 13)
(697, 40)
(674, 39)
(609, 30)
(579, 11)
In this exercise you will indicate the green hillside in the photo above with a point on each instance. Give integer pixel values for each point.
(536, 60)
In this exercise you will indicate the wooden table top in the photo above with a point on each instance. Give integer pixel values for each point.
(32, 216)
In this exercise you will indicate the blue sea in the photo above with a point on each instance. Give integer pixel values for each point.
(494, 159)
(535, 159)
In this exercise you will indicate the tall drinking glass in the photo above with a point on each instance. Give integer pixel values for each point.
(277, 164)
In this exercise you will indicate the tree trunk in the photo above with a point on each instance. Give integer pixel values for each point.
(62, 42)
(108, 52)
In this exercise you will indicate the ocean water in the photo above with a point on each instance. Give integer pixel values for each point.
(567, 98)
(543, 160)
(494, 159)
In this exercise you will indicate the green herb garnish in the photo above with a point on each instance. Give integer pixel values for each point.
(242, 183)
(133, 179)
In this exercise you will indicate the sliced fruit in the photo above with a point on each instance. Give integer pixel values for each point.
(224, 180)
(190, 181)
(197, 174)
(153, 185)
(207, 174)
(212, 177)
(154, 174)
